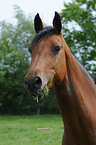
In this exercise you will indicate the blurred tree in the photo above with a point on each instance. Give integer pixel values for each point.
(79, 29)
(14, 64)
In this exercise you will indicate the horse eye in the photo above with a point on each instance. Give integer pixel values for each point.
(56, 49)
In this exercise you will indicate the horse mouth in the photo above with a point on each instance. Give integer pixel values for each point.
(39, 94)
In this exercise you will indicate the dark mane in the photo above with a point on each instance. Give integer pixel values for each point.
(45, 33)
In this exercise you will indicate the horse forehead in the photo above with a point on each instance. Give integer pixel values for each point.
(46, 44)
(54, 39)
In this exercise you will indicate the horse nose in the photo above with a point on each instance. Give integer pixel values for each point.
(37, 82)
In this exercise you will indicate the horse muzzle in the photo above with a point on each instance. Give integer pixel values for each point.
(33, 85)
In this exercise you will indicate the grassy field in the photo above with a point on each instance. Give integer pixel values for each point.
(31, 130)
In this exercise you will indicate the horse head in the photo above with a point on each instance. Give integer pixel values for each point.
(47, 59)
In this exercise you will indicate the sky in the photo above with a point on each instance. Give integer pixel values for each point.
(46, 9)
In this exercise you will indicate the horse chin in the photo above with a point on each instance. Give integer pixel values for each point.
(38, 96)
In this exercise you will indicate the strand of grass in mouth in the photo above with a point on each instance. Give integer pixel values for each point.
(36, 98)
(45, 90)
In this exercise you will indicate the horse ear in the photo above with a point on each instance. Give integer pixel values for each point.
(57, 23)
(38, 25)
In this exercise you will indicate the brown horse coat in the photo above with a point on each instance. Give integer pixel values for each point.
(53, 65)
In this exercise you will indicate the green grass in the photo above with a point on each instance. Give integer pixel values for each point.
(23, 130)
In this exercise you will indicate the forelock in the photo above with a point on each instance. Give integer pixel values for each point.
(45, 33)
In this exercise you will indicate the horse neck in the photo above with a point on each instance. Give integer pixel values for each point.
(76, 94)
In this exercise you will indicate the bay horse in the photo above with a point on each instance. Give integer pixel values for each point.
(54, 65)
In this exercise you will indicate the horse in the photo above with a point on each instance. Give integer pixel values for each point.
(53, 64)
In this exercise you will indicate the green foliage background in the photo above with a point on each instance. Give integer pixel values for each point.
(81, 37)
(15, 58)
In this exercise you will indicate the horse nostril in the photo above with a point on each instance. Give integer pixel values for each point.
(37, 82)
